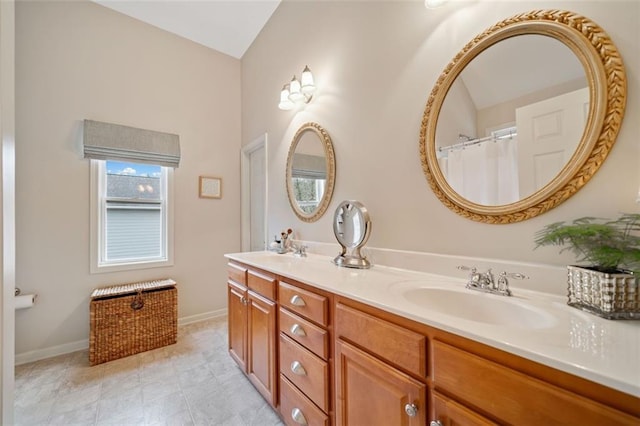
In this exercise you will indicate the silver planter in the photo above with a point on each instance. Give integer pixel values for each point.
(609, 295)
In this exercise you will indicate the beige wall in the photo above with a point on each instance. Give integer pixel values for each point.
(78, 60)
(375, 64)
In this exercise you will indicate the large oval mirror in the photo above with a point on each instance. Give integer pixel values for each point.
(311, 172)
(523, 116)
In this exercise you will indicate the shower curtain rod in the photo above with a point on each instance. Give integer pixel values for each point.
(471, 142)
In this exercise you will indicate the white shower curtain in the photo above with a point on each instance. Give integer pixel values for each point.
(486, 173)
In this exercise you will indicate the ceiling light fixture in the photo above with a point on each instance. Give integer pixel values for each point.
(297, 91)
(432, 4)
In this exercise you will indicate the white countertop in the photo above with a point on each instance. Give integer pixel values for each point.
(604, 351)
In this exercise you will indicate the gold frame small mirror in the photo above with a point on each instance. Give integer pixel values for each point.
(606, 80)
(311, 171)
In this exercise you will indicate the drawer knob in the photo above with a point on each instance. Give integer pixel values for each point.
(298, 330)
(297, 300)
(298, 369)
(412, 410)
(435, 423)
(298, 417)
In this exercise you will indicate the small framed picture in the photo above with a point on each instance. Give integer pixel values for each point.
(210, 187)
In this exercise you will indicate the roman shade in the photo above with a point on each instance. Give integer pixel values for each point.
(107, 141)
(309, 166)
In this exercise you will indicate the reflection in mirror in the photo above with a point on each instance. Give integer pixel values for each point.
(512, 119)
(310, 172)
(523, 116)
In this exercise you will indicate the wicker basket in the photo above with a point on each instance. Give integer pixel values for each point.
(132, 318)
(608, 295)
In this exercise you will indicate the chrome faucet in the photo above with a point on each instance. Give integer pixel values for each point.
(485, 282)
(299, 250)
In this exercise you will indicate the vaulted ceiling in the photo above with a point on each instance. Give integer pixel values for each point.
(228, 26)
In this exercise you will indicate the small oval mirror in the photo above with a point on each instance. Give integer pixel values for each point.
(310, 172)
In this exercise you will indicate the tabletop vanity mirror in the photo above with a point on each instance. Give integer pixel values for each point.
(351, 226)
(523, 116)
(311, 170)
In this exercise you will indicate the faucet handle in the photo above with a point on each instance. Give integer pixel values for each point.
(473, 271)
(474, 276)
(515, 275)
(503, 282)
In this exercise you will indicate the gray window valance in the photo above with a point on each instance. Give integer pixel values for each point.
(309, 166)
(107, 141)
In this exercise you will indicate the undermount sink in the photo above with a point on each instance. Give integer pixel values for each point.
(480, 307)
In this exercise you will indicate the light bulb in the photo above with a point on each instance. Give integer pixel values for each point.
(285, 103)
(294, 90)
(306, 81)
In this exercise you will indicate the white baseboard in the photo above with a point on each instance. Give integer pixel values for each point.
(38, 354)
(202, 317)
(51, 351)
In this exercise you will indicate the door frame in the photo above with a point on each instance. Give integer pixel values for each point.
(245, 185)
(7, 207)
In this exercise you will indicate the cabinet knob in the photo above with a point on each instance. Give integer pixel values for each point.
(298, 330)
(435, 423)
(298, 369)
(411, 410)
(244, 300)
(298, 417)
(297, 300)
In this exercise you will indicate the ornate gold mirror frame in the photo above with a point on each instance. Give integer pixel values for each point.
(607, 86)
(330, 163)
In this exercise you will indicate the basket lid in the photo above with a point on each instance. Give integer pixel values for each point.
(116, 290)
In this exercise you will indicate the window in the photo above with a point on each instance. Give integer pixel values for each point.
(130, 212)
(308, 192)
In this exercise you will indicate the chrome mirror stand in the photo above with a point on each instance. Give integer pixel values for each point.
(351, 226)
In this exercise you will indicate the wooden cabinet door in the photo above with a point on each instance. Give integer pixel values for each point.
(262, 365)
(450, 413)
(237, 319)
(371, 392)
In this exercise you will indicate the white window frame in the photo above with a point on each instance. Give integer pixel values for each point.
(97, 229)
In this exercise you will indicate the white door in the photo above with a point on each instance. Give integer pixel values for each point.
(548, 133)
(254, 198)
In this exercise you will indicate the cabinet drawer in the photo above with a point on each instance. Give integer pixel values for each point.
(510, 395)
(237, 273)
(296, 409)
(304, 332)
(306, 303)
(403, 347)
(305, 370)
(262, 284)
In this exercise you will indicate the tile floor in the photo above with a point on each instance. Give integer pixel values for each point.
(193, 382)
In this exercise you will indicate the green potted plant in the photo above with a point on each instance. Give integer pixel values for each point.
(608, 285)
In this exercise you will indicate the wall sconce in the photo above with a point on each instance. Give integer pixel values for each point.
(297, 92)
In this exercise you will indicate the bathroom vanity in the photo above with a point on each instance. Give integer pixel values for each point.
(328, 345)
